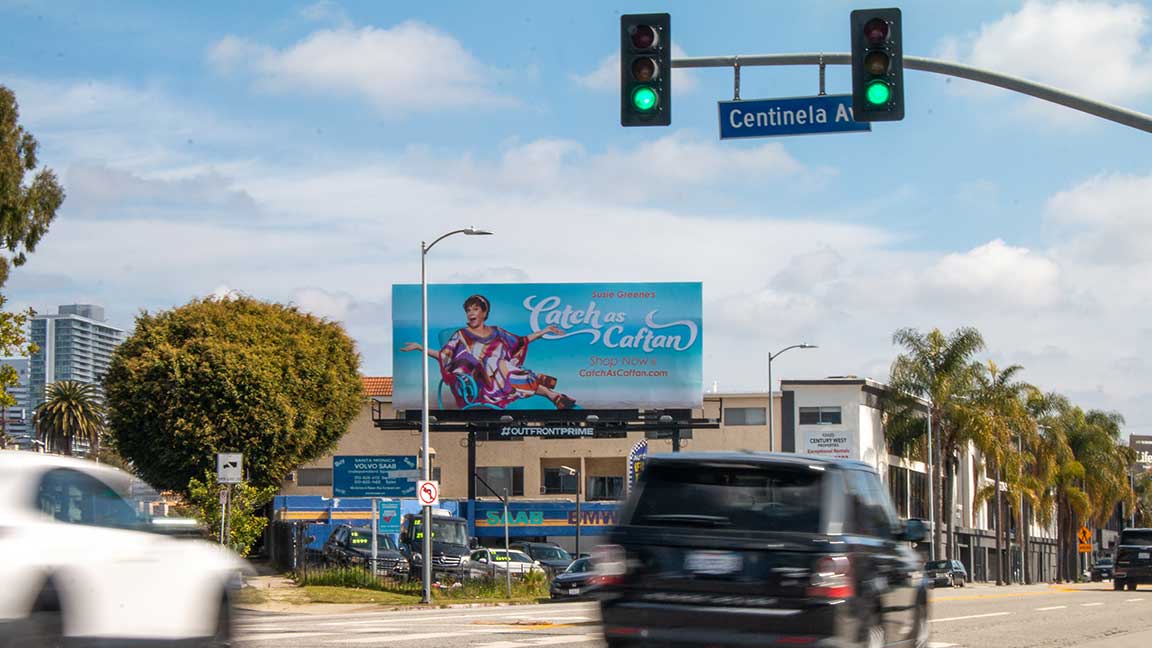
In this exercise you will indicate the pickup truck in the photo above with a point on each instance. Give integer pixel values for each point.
(1133, 559)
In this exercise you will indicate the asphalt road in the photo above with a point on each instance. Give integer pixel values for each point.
(1086, 616)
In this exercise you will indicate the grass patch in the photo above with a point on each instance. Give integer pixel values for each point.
(357, 585)
(349, 595)
(250, 596)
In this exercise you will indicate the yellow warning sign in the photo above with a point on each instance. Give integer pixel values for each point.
(1085, 536)
(1085, 548)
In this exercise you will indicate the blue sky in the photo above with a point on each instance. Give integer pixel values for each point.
(300, 151)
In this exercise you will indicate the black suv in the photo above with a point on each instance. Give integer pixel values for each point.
(352, 547)
(946, 573)
(761, 549)
(552, 556)
(1133, 559)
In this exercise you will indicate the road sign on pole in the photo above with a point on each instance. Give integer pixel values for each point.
(229, 467)
(428, 492)
(791, 116)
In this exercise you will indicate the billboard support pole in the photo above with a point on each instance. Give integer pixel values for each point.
(471, 480)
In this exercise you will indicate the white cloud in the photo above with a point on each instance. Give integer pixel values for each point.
(332, 305)
(1099, 49)
(1104, 220)
(996, 276)
(407, 67)
(606, 76)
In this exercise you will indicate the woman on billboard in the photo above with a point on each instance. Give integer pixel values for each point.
(485, 364)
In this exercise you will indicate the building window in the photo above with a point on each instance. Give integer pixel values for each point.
(605, 488)
(898, 489)
(745, 416)
(558, 481)
(820, 416)
(314, 477)
(918, 495)
(499, 480)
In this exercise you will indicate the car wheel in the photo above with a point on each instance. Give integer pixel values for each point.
(874, 636)
(1117, 584)
(1131, 587)
(45, 623)
(920, 631)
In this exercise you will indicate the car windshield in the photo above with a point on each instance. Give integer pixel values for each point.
(938, 564)
(760, 498)
(580, 566)
(550, 553)
(1139, 537)
(447, 531)
(1104, 562)
(500, 555)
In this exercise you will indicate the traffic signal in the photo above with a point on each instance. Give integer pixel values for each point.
(877, 65)
(645, 70)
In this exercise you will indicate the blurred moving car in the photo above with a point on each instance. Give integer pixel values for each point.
(350, 546)
(946, 573)
(574, 582)
(485, 563)
(1133, 559)
(763, 549)
(554, 558)
(1102, 570)
(80, 566)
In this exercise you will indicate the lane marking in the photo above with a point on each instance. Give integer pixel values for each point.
(937, 644)
(283, 635)
(970, 616)
(1133, 600)
(399, 638)
(1054, 607)
(1090, 604)
(544, 641)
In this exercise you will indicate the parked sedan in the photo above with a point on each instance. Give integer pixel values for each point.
(485, 563)
(576, 581)
(81, 566)
(349, 546)
(946, 573)
(554, 558)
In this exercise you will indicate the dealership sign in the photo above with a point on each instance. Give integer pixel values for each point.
(1141, 444)
(550, 346)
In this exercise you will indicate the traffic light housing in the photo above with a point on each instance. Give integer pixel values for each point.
(645, 70)
(877, 65)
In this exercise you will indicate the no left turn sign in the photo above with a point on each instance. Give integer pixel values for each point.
(428, 492)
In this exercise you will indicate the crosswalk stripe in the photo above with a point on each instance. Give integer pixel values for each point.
(971, 616)
(1054, 607)
(1133, 600)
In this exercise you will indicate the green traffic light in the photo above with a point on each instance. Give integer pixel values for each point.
(644, 98)
(878, 93)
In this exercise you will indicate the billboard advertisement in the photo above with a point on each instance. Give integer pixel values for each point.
(550, 346)
(1141, 444)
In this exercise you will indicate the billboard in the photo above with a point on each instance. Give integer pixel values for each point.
(550, 346)
(1141, 444)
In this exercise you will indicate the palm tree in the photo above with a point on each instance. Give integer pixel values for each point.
(936, 367)
(72, 410)
(999, 421)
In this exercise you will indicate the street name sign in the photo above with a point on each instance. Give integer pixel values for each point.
(229, 467)
(791, 116)
(374, 476)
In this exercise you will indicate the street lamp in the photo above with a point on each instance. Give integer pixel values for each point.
(771, 357)
(573, 471)
(424, 249)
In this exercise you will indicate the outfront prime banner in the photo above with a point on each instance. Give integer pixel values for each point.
(550, 346)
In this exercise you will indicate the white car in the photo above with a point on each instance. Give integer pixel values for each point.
(79, 566)
(494, 562)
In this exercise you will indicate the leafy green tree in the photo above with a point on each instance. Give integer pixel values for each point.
(937, 367)
(26, 209)
(71, 411)
(1001, 420)
(244, 524)
(230, 375)
(13, 342)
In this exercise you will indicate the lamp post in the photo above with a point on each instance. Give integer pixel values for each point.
(424, 249)
(771, 402)
(573, 471)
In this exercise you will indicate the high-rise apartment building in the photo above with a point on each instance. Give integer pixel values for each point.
(16, 420)
(74, 344)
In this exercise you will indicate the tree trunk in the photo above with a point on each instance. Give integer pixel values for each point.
(999, 529)
(1025, 523)
(938, 505)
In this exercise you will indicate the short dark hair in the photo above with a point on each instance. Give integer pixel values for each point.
(478, 300)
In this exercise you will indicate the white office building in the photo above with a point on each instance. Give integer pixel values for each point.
(74, 344)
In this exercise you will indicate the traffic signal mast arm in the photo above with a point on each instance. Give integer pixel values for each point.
(1117, 114)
